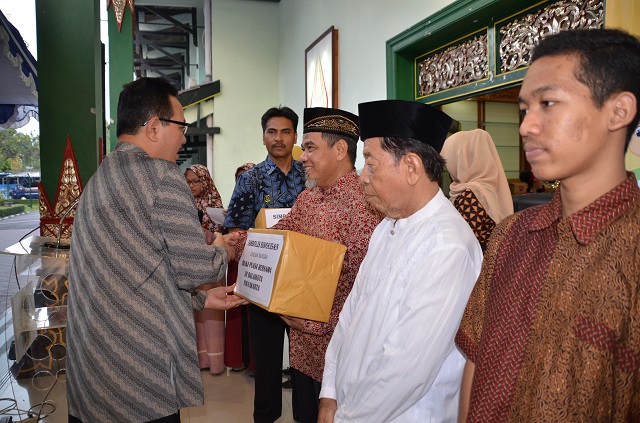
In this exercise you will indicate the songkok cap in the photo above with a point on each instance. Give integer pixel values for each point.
(333, 121)
(404, 119)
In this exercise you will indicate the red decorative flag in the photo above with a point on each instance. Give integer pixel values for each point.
(119, 6)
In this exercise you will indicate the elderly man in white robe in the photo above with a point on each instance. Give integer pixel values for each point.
(392, 357)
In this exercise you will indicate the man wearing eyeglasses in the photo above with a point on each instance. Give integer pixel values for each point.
(273, 183)
(137, 257)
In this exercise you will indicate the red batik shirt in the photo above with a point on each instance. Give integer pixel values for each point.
(339, 214)
(553, 323)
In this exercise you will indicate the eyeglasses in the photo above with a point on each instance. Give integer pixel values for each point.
(185, 125)
(197, 182)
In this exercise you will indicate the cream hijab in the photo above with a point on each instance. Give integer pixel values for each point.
(473, 162)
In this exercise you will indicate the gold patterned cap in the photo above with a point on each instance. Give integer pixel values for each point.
(332, 121)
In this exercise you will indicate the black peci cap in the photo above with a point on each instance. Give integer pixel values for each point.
(405, 119)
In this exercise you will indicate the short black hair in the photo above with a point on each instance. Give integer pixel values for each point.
(141, 100)
(284, 112)
(431, 160)
(352, 144)
(609, 60)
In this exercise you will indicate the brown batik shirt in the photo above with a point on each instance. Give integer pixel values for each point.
(553, 323)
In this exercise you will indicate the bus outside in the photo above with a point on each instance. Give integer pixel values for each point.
(19, 185)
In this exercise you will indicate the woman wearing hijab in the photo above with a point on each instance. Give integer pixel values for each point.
(209, 323)
(237, 354)
(480, 190)
(243, 168)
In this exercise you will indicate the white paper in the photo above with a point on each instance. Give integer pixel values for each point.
(217, 215)
(257, 266)
(273, 216)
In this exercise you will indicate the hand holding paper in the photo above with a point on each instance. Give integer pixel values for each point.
(216, 214)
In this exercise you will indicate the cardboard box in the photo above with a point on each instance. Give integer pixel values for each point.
(268, 217)
(518, 188)
(289, 273)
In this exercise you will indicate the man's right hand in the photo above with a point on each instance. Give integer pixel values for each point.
(327, 410)
(222, 298)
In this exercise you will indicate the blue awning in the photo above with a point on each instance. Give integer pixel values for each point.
(18, 78)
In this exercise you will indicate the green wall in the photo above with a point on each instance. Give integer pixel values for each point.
(120, 64)
(69, 86)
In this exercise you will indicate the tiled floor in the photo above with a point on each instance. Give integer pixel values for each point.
(228, 397)
(18, 396)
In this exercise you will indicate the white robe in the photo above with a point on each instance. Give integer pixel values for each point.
(392, 356)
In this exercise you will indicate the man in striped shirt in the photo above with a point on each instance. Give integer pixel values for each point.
(137, 256)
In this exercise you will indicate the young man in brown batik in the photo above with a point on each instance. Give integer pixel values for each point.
(552, 329)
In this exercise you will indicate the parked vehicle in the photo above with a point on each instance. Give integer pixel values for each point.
(19, 185)
(24, 191)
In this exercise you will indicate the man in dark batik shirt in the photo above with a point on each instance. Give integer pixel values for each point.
(264, 186)
(274, 183)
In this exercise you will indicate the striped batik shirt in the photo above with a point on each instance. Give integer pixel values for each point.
(137, 255)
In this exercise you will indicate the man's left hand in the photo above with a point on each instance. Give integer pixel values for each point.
(218, 299)
(294, 322)
(227, 241)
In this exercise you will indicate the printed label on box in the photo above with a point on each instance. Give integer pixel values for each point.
(257, 266)
(273, 216)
